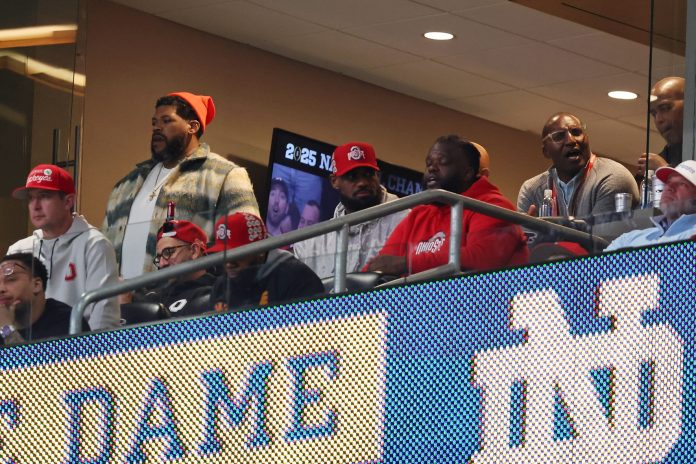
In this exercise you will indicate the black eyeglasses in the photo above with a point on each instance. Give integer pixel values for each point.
(167, 253)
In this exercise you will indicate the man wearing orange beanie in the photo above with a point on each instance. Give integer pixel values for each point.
(203, 185)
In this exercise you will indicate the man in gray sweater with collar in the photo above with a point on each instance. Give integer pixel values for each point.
(581, 183)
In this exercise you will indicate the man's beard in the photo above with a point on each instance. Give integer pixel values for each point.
(23, 314)
(173, 149)
(357, 204)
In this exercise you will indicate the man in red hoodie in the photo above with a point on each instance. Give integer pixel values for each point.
(421, 240)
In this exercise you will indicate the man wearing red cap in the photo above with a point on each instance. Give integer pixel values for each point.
(203, 185)
(356, 177)
(178, 242)
(78, 257)
(421, 241)
(265, 278)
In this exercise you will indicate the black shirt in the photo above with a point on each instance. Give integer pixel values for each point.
(54, 322)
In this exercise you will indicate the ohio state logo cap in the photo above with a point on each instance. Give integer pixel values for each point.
(236, 230)
(353, 155)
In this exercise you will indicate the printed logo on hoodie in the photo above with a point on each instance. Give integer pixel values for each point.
(72, 272)
(432, 245)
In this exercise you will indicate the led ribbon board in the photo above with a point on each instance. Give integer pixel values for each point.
(581, 361)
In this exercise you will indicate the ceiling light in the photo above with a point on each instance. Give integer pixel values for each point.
(438, 36)
(623, 95)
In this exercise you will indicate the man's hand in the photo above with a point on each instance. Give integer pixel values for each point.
(7, 317)
(532, 211)
(7, 314)
(391, 265)
(655, 161)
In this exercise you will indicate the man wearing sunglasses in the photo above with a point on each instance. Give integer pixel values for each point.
(582, 184)
(25, 312)
(179, 242)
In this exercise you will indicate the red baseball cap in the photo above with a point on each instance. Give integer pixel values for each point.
(202, 104)
(236, 230)
(185, 231)
(46, 177)
(353, 155)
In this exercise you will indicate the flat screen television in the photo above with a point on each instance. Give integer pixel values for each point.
(299, 189)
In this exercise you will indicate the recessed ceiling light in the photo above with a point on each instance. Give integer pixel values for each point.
(623, 95)
(438, 36)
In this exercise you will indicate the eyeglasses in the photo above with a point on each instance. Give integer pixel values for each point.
(7, 269)
(167, 253)
(560, 135)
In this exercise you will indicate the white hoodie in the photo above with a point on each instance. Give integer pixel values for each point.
(80, 260)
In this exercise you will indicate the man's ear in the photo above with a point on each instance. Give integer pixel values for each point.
(544, 152)
(196, 250)
(193, 126)
(36, 285)
(334, 181)
(70, 201)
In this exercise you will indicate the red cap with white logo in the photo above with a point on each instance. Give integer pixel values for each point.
(353, 155)
(46, 177)
(185, 231)
(236, 230)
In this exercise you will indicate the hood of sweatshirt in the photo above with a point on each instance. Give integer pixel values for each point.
(273, 260)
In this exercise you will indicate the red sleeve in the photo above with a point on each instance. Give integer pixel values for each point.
(396, 244)
(487, 243)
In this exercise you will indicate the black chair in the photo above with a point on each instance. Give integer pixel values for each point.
(357, 281)
(142, 312)
(199, 305)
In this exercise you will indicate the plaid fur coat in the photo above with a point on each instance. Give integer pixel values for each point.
(204, 187)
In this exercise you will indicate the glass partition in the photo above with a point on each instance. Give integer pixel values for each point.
(42, 85)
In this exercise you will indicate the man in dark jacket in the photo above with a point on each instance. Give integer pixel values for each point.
(261, 279)
(178, 242)
(25, 312)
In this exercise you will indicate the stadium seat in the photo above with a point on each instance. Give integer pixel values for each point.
(137, 313)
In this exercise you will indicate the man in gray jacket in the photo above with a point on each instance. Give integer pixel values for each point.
(78, 257)
(582, 184)
(356, 177)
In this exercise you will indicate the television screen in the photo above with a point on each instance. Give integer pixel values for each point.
(300, 192)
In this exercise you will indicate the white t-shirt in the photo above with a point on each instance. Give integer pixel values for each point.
(135, 238)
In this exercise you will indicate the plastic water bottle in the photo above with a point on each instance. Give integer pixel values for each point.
(646, 185)
(546, 207)
(657, 187)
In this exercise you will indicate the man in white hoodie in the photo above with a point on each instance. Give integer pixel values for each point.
(78, 257)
